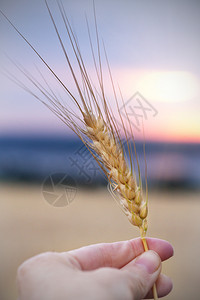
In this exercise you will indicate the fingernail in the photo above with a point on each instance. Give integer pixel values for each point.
(150, 260)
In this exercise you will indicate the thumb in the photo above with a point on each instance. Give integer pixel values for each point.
(143, 273)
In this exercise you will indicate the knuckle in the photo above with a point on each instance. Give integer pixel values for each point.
(27, 266)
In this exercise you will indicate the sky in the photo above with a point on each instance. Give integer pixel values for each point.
(153, 50)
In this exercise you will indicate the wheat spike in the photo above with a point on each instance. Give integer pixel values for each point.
(100, 126)
(97, 135)
(118, 171)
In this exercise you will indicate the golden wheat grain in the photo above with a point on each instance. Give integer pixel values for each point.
(117, 170)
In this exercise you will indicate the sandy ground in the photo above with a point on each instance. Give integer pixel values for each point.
(29, 225)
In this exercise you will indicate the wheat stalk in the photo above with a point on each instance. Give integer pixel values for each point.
(95, 126)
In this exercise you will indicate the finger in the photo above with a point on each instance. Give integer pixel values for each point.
(163, 283)
(163, 248)
(143, 273)
(164, 286)
(117, 254)
(133, 282)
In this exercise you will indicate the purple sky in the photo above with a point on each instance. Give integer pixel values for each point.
(153, 48)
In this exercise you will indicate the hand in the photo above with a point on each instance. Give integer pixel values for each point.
(98, 272)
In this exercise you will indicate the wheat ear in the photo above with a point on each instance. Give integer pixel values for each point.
(118, 171)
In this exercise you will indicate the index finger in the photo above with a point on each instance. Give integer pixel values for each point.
(117, 255)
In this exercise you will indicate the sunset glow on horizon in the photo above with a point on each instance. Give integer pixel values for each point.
(160, 64)
(176, 97)
(177, 118)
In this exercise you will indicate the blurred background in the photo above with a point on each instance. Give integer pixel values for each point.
(53, 197)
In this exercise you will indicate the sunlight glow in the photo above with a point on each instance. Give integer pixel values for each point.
(161, 86)
(170, 86)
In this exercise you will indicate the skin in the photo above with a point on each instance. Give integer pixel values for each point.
(104, 271)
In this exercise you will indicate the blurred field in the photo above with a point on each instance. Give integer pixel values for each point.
(29, 225)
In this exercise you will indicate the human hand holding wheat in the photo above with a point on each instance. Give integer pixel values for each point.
(104, 271)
